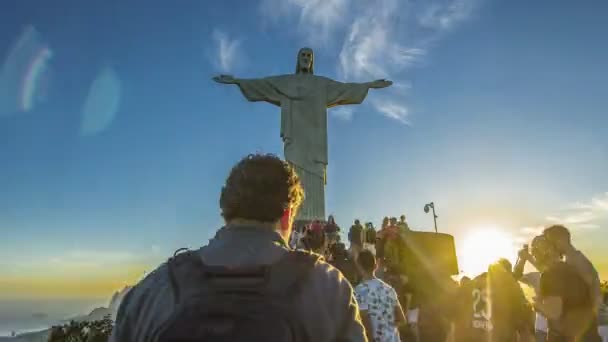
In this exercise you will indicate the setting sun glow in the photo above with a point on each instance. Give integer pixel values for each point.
(483, 246)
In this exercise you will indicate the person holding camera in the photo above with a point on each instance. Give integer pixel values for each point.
(539, 255)
(563, 297)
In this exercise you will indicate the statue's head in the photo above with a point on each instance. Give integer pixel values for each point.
(306, 61)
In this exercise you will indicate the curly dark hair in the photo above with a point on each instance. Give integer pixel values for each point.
(261, 187)
(367, 260)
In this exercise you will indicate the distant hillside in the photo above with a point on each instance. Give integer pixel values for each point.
(97, 314)
(117, 299)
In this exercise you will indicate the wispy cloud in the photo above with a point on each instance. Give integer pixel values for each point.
(226, 50)
(441, 16)
(377, 39)
(343, 112)
(583, 214)
(392, 110)
(526, 234)
(372, 47)
(578, 215)
(317, 19)
(532, 231)
(91, 259)
(155, 249)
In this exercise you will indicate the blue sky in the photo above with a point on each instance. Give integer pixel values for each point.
(114, 142)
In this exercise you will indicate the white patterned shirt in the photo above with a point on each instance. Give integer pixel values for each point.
(379, 300)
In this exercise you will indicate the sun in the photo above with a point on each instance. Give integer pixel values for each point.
(483, 246)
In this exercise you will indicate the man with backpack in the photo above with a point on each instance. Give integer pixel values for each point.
(246, 284)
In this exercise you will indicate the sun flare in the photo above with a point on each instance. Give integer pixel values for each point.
(483, 246)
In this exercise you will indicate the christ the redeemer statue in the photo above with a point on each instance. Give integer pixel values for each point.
(304, 99)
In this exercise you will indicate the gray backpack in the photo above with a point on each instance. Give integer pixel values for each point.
(217, 303)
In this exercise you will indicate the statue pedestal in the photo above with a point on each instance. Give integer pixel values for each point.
(313, 207)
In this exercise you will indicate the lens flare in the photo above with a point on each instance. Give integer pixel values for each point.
(23, 73)
(31, 81)
(102, 102)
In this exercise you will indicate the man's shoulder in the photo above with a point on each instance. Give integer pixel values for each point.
(144, 307)
(328, 280)
(324, 270)
(148, 287)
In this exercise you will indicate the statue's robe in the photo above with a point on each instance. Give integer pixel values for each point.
(304, 99)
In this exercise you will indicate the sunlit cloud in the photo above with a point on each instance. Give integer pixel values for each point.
(583, 215)
(226, 50)
(526, 234)
(102, 102)
(532, 231)
(578, 216)
(92, 258)
(73, 273)
(76, 260)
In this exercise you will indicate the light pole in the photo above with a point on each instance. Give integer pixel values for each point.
(426, 210)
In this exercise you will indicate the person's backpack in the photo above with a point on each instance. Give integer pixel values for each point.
(218, 303)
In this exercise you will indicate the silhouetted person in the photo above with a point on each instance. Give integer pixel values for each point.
(559, 237)
(343, 262)
(402, 224)
(563, 297)
(315, 239)
(356, 239)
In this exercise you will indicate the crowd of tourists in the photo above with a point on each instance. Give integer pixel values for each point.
(259, 279)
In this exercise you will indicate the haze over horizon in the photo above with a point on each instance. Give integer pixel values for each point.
(114, 141)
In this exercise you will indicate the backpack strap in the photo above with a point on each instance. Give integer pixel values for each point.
(177, 264)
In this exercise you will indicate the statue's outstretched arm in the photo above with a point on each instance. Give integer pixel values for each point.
(377, 84)
(226, 79)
